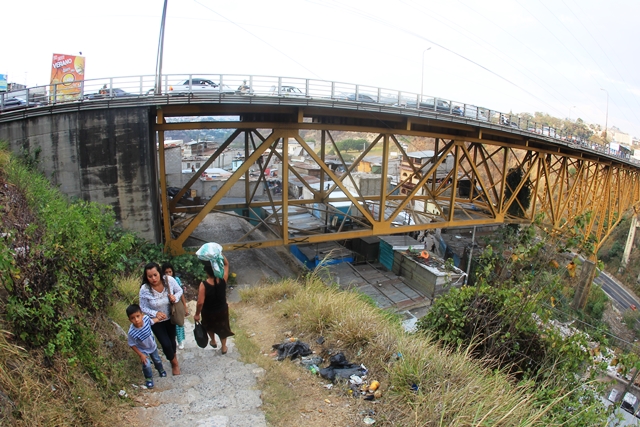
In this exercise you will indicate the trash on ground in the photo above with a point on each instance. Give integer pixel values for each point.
(374, 386)
(414, 387)
(123, 393)
(328, 386)
(320, 340)
(314, 369)
(354, 379)
(292, 349)
(377, 394)
(311, 360)
(339, 366)
(327, 401)
(369, 421)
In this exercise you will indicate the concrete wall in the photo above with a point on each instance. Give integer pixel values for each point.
(105, 156)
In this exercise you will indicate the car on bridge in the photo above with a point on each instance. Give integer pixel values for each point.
(360, 97)
(15, 103)
(473, 112)
(108, 93)
(285, 91)
(434, 104)
(199, 85)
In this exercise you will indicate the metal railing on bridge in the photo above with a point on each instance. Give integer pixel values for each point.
(219, 86)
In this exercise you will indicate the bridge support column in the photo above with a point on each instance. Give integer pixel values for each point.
(584, 286)
(627, 247)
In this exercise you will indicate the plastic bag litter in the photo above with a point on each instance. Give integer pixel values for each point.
(292, 349)
(339, 366)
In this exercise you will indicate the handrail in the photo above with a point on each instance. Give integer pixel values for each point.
(292, 87)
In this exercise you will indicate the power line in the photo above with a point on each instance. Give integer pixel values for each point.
(257, 37)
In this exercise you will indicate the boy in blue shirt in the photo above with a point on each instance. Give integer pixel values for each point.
(141, 341)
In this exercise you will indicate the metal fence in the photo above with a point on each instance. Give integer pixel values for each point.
(210, 86)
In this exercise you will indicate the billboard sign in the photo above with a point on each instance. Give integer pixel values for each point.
(3, 82)
(67, 77)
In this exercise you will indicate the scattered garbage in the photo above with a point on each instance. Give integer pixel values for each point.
(374, 386)
(292, 349)
(122, 394)
(311, 360)
(339, 366)
(320, 340)
(355, 379)
(369, 421)
(414, 387)
(377, 394)
(329, 386)
(314, 369)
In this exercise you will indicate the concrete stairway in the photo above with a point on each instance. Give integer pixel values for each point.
(214, 390)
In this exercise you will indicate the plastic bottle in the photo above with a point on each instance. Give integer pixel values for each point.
(314, 369)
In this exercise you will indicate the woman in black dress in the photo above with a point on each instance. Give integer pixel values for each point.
(212, 304)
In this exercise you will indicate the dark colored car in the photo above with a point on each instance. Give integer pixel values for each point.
(439, 105)
(360, 98)
(15, 103)
(108, 93)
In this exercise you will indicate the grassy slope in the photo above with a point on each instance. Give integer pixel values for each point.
(452, 389)
(58, 390)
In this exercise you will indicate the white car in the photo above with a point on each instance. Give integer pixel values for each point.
(286, 91)
(199, 85)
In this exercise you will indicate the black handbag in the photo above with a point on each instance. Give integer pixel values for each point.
(200, 334)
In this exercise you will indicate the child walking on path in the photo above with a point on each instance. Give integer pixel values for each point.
(142, 342)
(167, 270)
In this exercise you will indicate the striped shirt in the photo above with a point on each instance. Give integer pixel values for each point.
(142, 337)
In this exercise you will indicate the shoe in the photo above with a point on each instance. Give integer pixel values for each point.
(149, 383)
(181, 346)
(163, 374)
(213, 344)
(224, 351)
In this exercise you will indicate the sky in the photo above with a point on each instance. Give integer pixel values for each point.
(567, 58)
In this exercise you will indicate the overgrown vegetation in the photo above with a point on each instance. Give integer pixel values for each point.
(424, 382)
(63, 364)
(507, 320)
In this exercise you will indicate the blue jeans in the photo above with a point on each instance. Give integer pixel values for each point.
(157, 362)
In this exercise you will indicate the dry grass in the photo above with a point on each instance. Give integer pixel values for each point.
(34, 392)
(128, 288)
(452, 389)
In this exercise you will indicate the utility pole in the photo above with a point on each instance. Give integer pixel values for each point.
(422, 77)
(158, 82)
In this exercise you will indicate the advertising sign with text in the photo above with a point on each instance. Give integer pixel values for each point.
(67, 77)
(3, 82)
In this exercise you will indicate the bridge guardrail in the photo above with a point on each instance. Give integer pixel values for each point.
(290, 87)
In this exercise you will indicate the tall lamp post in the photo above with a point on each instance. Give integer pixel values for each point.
(422, 75)
(158, 83)
(606, 123)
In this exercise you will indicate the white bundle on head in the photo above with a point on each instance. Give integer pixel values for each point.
(212, 252)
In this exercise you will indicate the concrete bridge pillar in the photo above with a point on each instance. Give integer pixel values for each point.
(629, 244)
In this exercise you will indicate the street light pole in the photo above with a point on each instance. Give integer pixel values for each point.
(158, 83)
(422, 76)
(606, 122)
